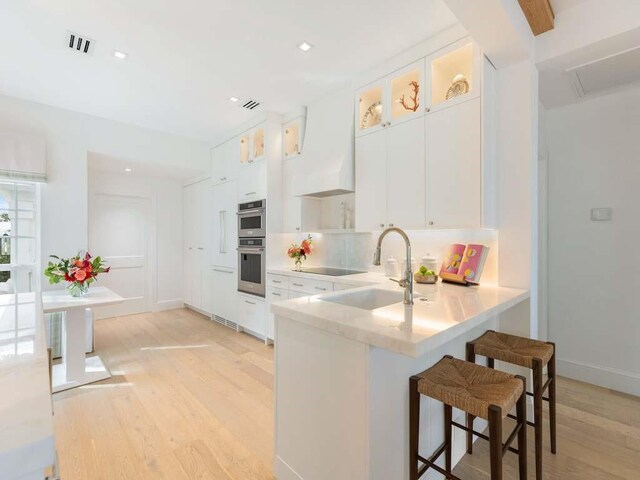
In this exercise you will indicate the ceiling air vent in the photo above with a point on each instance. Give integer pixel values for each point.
(79, 43)
(251, 104)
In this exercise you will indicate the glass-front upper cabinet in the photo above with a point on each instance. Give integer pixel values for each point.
(293, 137)
(392, 99)
(454, 74)
(370, 107)
(245, 149)
(257, 143)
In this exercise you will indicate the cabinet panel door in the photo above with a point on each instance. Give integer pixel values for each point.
(406, 93)
(371, 106)
(190, 247)
(232, 154)
(252, 313)
(371, 181)
(406, 174)
(207, 289)
(252, 182)
(454, 167)
(224, 293)
(224, 221)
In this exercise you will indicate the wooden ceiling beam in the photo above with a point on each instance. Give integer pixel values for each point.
(539, 15)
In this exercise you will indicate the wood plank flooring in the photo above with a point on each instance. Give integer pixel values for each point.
(192, 400)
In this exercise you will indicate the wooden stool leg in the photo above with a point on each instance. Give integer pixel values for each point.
(448, 414)
(551, 368)
(414, 427)
(470, 419)
(537, 415)
(495, 441)
(471, 358)
(521, 413)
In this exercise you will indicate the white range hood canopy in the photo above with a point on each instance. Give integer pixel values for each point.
(326, 167)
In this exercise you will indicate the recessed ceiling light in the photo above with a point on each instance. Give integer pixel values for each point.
(305, 46)
(233, 99)
(120, 55)
(128, 170)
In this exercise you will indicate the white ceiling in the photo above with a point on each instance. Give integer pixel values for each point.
(186, 58)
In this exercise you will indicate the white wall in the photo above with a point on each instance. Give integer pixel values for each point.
(69, 136)
(594, 284)
(165, 195)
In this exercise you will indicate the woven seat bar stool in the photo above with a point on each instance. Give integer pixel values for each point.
(528, 353)
(479, 391)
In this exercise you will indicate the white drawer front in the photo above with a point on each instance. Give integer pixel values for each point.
(310, 287)
(252, 314)
(277, 281)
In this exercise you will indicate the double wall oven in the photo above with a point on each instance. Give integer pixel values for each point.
(252, 247)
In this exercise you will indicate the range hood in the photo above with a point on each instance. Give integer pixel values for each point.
(326, 167)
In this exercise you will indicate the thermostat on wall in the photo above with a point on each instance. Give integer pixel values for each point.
(601, 214)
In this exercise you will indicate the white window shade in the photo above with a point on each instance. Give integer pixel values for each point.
(23, 157)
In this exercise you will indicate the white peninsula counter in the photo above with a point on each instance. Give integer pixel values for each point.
(343, 362)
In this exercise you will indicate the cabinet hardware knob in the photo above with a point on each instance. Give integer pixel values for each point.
(276, 281)
(427, 109)
(276, 294)
(249, 193)
(382, 225)
(250, 303)
(297, 285)
(391, 224)
(430, 222)
(320, 288)
(297, 228)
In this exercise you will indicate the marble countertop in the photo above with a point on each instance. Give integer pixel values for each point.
(60, 300)
(440, 312)
(26, 420)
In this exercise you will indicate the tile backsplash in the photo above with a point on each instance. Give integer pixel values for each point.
(355, 250)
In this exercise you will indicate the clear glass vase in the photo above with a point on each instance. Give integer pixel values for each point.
(76, 289)
(298, 266)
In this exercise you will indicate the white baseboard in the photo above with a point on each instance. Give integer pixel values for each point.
(168, 305)
(620, 380)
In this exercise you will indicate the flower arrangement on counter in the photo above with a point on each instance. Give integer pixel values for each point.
(300, 252)
(79, 271)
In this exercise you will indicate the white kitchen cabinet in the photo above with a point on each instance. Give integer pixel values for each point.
(224, 238)
(454, 164)
(252, 313)
(371, 182)
(224, 293)
(252, 182)
(252, 145)
(224, 162)
(293, 137)
(406, 174)
(390, 177)
(393, 99)
(273, 295)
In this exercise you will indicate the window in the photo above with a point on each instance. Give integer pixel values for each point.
(18, 232)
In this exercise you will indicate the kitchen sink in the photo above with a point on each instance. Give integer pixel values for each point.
(367, 299)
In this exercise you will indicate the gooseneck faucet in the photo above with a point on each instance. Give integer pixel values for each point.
(407, 282)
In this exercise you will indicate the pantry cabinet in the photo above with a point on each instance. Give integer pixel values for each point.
(197, 249)
(252, 182)
(390, 177)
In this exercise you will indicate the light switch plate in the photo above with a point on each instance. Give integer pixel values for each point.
(602, 214)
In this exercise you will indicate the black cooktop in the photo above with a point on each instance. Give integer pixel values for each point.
(334, 272)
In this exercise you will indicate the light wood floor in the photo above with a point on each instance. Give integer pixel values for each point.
(193, 400)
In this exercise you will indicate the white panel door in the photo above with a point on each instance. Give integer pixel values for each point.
(252, 182)
(119, 228)
(371, 181)
(454, 154)
(224, 231)
(189, 247)
(406, 189)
